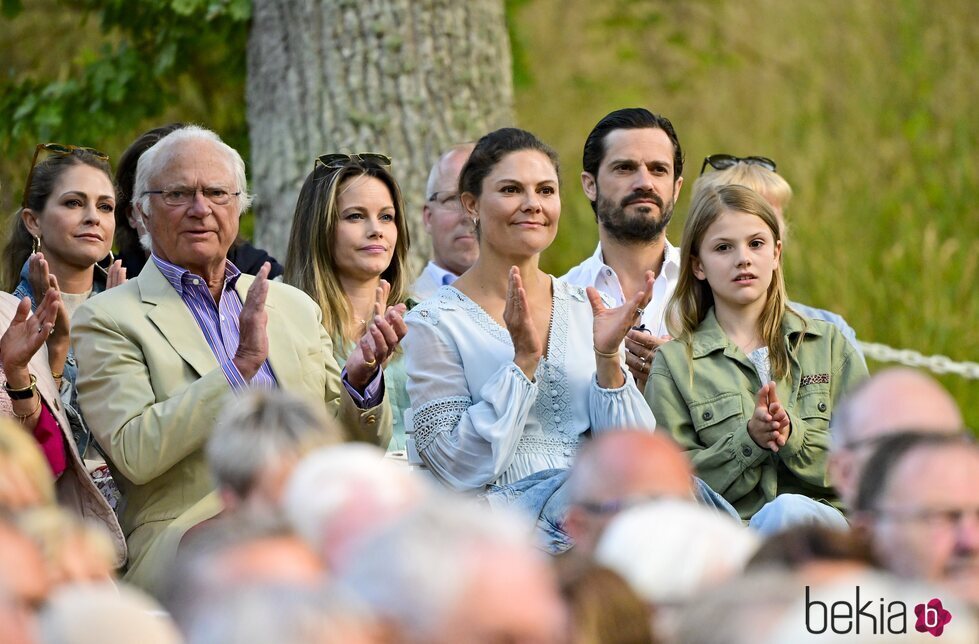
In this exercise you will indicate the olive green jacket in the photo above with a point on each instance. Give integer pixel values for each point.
(708, 413)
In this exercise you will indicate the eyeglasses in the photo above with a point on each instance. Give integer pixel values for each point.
(725, 161)
(338, 159)
(446, 199)
(937, 518)
(182, 196)
(614, 506)
(59, 149)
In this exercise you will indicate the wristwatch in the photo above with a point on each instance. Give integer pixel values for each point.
(21, 394)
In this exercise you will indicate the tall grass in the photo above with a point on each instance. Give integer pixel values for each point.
(868, 107)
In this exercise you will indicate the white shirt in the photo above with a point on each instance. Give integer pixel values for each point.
(595, 272)
(430, 280)
(476, 419)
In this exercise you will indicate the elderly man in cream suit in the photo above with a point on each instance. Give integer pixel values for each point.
(159, 355)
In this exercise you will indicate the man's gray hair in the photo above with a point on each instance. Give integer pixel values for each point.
(414, 571)
(260, 614)
(259, 428)
(332, 483)
(153, 160)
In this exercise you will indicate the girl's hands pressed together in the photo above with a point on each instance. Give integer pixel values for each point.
(769, 424)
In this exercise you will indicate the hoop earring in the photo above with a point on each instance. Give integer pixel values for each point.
(112, 260)
(35, 245)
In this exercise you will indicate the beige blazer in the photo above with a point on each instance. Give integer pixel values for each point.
(150, 389)
(75, 488)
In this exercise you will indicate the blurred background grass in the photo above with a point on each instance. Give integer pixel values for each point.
(868, 107)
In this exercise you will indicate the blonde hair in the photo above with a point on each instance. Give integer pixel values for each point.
(19, 451)
(59, 534)
(765, 182)
(310, 262)
(693, 297)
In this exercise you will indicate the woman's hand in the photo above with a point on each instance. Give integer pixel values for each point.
(38, 274)
(768, 429)
(59, 340)
(379, 341)
(527, 345)
(116, 274)
(610, 326)
(25, 336)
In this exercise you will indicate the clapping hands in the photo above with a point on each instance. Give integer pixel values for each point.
(380, 340)
(527, 345)
(769, 426)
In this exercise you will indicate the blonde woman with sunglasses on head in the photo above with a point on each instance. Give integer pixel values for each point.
(348, 250)
(61, 234)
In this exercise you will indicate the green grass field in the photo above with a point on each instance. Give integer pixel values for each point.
(868, 107)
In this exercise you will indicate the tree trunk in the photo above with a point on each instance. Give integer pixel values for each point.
(408, 78)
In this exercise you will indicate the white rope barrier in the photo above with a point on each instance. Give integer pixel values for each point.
(937, 364)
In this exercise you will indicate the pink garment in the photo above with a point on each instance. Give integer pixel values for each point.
(47, 433)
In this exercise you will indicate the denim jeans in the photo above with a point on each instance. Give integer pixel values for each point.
(788, 510)
(544, 497)
(708, 498)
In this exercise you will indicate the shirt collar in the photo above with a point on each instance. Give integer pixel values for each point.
(440, 274)
(593, 266)
(710, 336)
(671, 263)
(177, 276)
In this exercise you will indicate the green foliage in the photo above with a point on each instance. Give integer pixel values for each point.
(146, 57)
(10, 8)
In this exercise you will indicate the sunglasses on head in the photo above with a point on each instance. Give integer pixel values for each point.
(725, 161)
(338, 160)
(58, 149)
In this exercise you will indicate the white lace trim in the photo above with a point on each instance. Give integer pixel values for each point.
(549, 445)
(435, 417)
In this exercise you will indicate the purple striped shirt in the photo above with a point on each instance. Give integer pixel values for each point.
(218, 323)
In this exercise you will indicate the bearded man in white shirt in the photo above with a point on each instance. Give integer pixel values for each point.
(454, 246)
(632, 164)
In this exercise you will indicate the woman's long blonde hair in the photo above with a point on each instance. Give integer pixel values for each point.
(310, 262)
(693, 297)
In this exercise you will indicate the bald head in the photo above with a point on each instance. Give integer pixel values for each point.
(892, 401)
(617, 469)
(631, 463)
(454, 245)
(445, 173)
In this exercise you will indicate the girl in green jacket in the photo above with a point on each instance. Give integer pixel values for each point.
(748, 385)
